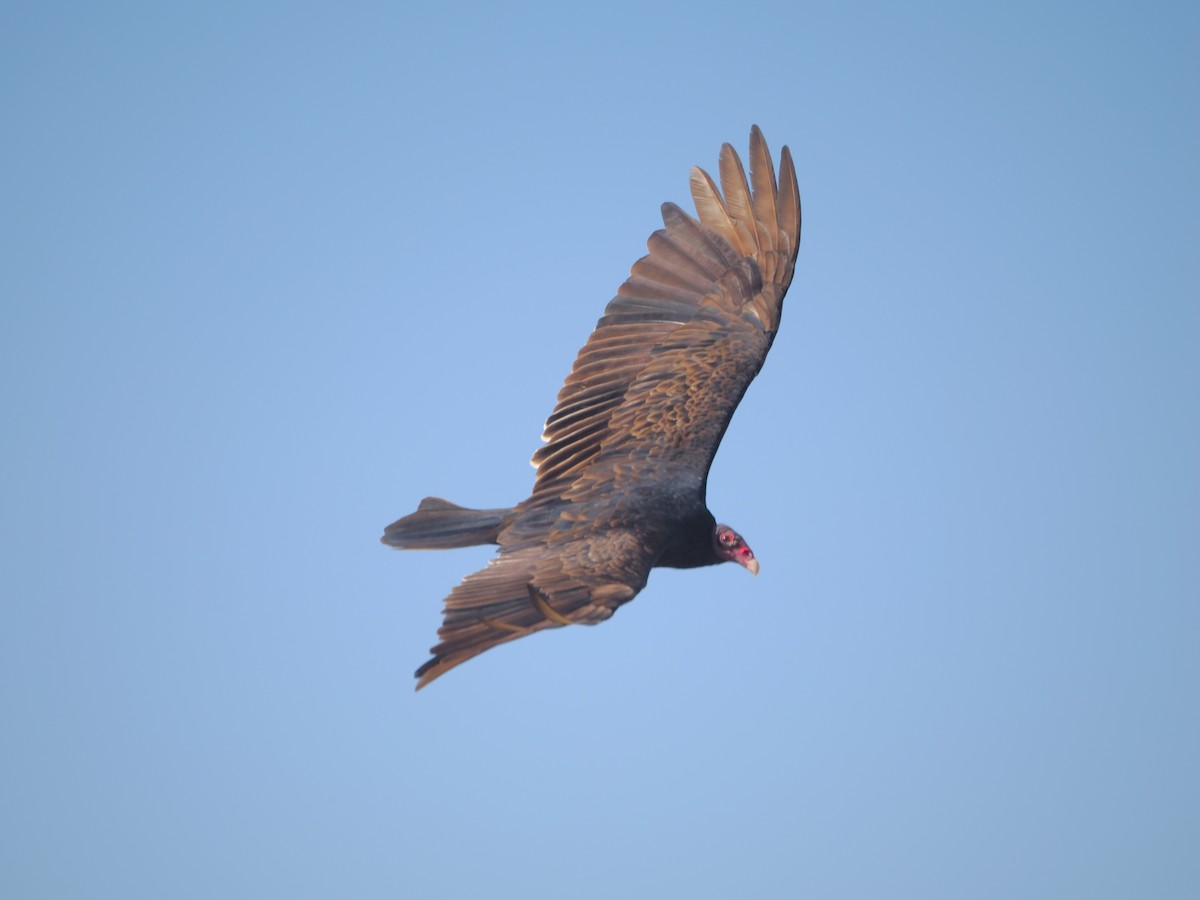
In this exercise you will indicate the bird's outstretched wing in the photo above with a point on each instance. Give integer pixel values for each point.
(653, 389)
(575, 580)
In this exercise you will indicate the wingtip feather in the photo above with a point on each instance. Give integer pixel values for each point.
(790, 217)
(734, 185)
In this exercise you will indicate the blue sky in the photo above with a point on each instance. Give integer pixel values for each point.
(271, 274)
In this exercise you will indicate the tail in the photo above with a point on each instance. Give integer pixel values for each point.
(439, 525)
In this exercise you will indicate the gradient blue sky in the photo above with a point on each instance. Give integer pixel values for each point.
(273, 273)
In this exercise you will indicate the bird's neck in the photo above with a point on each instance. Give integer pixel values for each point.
(694, 545)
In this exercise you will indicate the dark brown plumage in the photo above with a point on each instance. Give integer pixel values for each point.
(621, 480)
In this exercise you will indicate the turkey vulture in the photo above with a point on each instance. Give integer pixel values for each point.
(621, 480)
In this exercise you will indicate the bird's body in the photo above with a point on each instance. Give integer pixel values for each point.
(620, 485)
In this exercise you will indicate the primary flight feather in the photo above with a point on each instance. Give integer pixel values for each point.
(620, 485)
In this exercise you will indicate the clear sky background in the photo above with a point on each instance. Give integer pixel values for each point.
(272, 274)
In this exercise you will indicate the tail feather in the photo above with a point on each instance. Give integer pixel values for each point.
(440, 525)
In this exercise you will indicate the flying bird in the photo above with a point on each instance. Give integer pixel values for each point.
(620, 485)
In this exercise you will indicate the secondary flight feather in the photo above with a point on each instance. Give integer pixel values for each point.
(620, 485)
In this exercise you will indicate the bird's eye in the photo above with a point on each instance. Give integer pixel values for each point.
(727, 538)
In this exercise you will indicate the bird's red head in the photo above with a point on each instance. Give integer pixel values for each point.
(729, 545)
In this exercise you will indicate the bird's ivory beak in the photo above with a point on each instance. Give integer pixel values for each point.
(752, 567)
